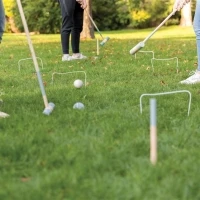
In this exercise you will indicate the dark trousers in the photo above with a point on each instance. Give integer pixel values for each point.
(72, 24)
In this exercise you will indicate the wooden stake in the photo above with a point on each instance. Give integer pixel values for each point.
(153, 132)
(97, 46)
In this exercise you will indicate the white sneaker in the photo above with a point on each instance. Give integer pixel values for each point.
(195, 78)
(78, 56)
(2, 114)
(66, 57)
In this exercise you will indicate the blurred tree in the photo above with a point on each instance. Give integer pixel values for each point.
(10, 25)
(186, 15)
(88, 28)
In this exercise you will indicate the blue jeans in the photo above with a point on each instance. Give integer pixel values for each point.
(196, 26)
(2, 19)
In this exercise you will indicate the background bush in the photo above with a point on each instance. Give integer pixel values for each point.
(44, 15)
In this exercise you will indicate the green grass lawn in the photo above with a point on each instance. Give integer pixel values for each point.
(101, 152)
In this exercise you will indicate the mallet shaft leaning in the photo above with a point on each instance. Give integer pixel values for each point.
(95, 25)
(48, 106)
(32, 53)
(161, 24)
(142, 44)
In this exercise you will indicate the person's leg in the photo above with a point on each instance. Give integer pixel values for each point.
(197, 30)
(78, 27)
(2, 26)
(67, 11)
(76, 32)
(196, 24)
(2, 20)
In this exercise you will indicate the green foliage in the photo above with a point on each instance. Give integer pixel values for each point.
(102, 152)
(42, 16)
(8, 5)
(140, 18)
(172, 22)
(110, 14)
(148, 13)
(135, 4)
(158, 10)
(193, 4)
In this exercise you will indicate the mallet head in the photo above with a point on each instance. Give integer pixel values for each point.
(49, 108)
(137, 48)
(104, 41)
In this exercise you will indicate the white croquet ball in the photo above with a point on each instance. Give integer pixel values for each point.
(78, 83)
(78, 105)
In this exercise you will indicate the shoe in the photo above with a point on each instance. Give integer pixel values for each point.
(2, 114)
(66, 57)
(78, 56)
(195, 78)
